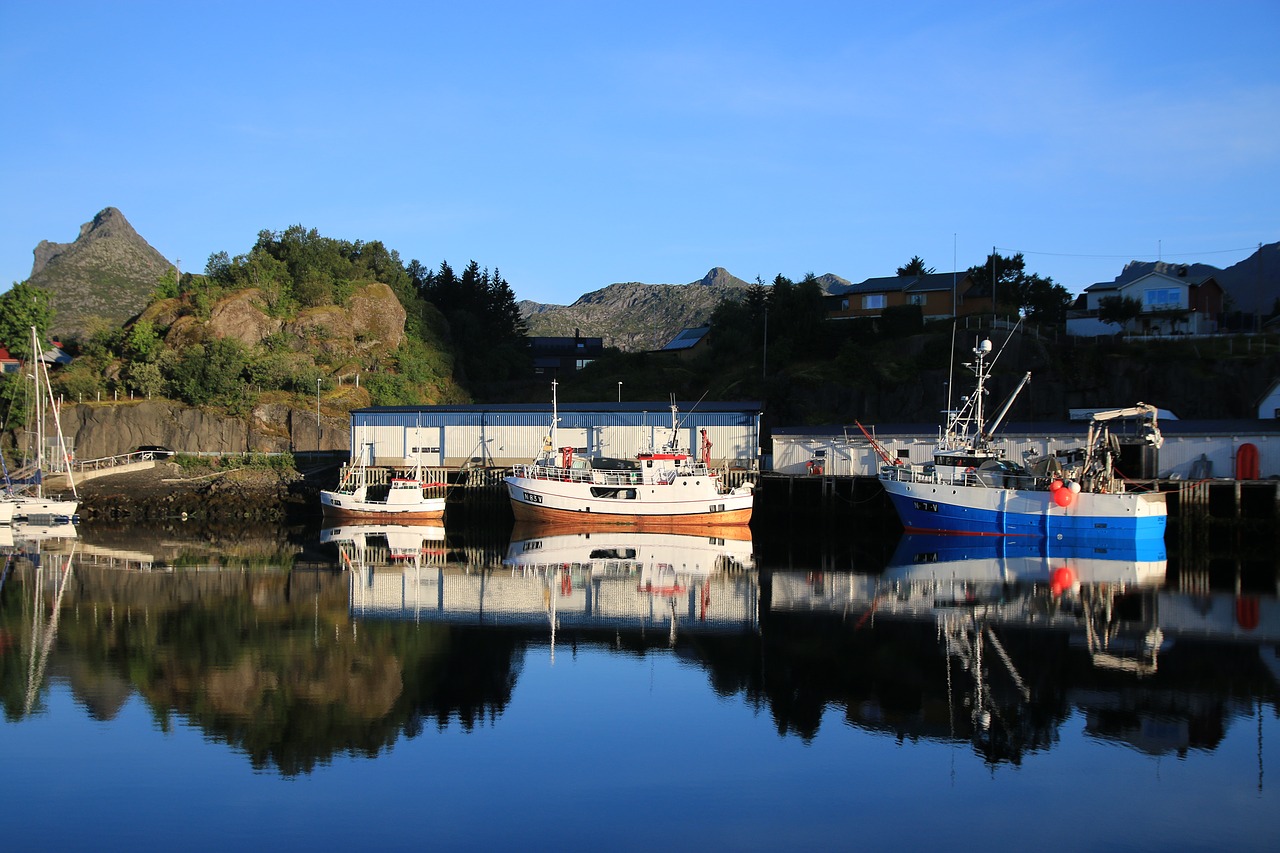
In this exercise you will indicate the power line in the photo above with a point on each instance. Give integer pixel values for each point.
(1132, 257)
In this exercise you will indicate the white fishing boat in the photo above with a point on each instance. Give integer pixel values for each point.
(358, 497)
(24, 499)
(661, 489)
(971, 488)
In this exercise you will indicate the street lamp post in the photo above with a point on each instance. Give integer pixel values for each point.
(619, 392)
(317, 411)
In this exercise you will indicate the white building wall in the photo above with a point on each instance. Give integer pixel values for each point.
(1182, 456)
(509, 438)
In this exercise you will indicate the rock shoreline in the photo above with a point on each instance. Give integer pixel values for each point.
(169, 492)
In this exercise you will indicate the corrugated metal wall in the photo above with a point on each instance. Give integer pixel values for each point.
(508, 437)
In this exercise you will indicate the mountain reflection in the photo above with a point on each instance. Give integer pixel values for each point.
(296, 651)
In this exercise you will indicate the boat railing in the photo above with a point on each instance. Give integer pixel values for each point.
(980, 479)
(607, 476)
(551, 472)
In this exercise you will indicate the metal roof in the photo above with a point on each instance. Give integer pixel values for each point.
(685, 407)
(915, 283)
(687, 339)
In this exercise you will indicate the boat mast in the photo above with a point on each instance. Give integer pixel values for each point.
(980, 353)
(555, 415)
(672, 444)
(35, 376)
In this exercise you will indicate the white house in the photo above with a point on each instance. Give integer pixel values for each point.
(1171, 305)
(1269, 405)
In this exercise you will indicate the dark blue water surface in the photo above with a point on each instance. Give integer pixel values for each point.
(374, 689)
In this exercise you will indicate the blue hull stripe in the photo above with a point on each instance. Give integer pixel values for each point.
(937, 516)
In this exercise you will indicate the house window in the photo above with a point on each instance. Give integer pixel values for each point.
(904, 454)
(1162, 298)
(582, 362)
(844, 304)
(917, 298)
(873, 300)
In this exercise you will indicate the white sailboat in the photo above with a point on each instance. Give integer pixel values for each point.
(33, 505)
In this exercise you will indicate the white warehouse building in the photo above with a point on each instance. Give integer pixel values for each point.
(501, 435)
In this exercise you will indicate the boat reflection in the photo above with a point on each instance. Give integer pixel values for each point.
(368, 545)
(613, 578)
(47, 552)
(25, 537)
(1013, 619)
(1026, 559)
(969, 585)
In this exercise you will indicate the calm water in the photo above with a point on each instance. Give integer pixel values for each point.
(372, 689)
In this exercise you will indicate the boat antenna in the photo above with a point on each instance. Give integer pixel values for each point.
(695, 405)
(951, 370)
(1008, 338)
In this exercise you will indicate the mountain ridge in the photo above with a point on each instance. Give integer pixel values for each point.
(634, 316)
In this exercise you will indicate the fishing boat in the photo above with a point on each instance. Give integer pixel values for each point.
(661, 489)
(359, 498)
(971, 488)
(24, 498)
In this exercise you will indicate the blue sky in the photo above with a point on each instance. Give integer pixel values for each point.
(573, 145)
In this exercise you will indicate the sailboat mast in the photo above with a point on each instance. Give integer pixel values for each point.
(57, 425)
(35, 377)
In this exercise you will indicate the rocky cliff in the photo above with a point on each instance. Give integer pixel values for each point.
(98, 430)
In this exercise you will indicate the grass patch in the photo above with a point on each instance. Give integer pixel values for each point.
(236, 461)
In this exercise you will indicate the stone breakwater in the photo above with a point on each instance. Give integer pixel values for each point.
(168, 492)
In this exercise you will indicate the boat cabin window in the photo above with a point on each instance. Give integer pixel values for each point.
(963, 461)
(609, 463)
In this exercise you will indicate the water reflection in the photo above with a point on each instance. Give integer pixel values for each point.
(608, 579)
(47, 552)
(294, 648)
(995, 643)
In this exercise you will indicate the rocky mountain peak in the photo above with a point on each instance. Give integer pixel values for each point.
(720, 276)
(107, 272)
(109, 223)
